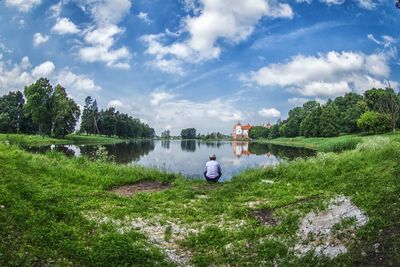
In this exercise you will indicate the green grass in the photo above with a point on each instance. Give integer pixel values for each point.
(48, 202)
(326, 144)
(37, 140)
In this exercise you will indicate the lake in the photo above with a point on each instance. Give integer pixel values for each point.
(188, 157)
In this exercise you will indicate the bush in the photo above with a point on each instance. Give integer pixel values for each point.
(372, 121)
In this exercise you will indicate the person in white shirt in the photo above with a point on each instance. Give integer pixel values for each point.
(213, 170)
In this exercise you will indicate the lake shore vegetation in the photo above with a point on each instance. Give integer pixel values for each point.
(56, 210)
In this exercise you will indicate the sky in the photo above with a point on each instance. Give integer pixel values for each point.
(206, 64)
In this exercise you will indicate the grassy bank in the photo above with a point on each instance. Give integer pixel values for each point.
(37, 140)
(326, 144)
(58, 211)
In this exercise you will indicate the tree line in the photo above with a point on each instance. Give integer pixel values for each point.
(47, 110)
(376, 111)
(111, 122)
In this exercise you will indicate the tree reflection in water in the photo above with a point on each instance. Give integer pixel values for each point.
(188, 145)
(253, 148)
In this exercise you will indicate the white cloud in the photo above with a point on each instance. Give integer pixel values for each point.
(23, 5)
(101, 38)
(158, 97)
(14, 77)
(297, 101)
(386, 40)
(39, 39)
(116, 104)
(99, 49)
(328, 74)
(269, 113)
(333, 2)
(65, 26)
(56, 9)
(108, 11)
(231, 20)
(366, 4)
(43, 70)
(77, 82)
(144, 17)
(171, 112)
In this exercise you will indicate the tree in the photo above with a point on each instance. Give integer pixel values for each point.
(166, 134)
(11, 112)
(349, 110)
(384, 101)
(38, 104)
(274, 131)
(310, 126)
(86, 120)
(328, 122)
(65, 113)
(259, 132)
(189, 133)
(372, 121)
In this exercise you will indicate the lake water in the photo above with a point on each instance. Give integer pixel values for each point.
(188, 157)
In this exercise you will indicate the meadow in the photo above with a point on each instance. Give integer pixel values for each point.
(62, 211)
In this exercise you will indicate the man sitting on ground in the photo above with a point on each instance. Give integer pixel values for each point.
(213, 170)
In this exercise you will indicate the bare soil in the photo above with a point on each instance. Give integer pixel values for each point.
(264, 216)
(145, 186)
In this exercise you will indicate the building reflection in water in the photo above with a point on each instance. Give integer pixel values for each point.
(241, 149)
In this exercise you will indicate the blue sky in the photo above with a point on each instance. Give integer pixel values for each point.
(201, 63)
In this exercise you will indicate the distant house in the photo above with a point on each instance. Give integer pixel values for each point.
(241, 131)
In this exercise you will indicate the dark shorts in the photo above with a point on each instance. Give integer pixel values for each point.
(214, 180)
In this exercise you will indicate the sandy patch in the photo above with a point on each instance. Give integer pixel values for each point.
(145, 186)
(323, 233)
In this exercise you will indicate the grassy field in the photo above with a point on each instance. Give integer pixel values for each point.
(59, 211)
(326, 144)
(37, 140)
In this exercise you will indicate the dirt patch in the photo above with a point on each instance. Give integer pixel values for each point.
(265, 216)
(384, 252)
(145, 186)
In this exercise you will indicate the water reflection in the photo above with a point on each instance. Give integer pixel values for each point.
(187, 156)
(188, 145)
(251, 148)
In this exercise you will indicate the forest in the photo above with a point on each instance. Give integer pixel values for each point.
(376, 111)
(47, 110)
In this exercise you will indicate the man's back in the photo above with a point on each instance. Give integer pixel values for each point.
(213, 169)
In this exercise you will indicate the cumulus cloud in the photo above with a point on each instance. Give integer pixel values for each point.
(43, 70)
(14, 77)
(116, 104)
(329, 74)
(100, 39)
(158, 97)
(65, 26)
(269, 113)
(23, 5)
(231, 20)
(172, 112)
(39, 39)
(77, 82)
